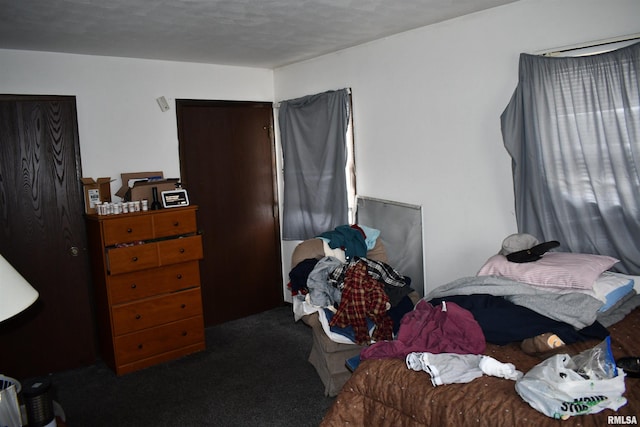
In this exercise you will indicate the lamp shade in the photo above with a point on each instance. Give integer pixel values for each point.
(16, 294)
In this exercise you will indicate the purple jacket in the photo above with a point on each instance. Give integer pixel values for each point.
(446, 328)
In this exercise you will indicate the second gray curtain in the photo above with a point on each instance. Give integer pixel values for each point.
(313, 131)
(572, 129)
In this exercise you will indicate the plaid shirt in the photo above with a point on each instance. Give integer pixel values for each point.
(376, 269)
(363, 297)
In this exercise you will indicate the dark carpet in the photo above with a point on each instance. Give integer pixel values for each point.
(254, 372)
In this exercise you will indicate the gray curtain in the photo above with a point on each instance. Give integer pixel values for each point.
(572, 129)
(313, 131)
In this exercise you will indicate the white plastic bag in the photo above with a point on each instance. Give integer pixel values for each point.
(9, 407)
(559, 388)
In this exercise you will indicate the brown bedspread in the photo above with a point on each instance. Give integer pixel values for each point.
(386, 393)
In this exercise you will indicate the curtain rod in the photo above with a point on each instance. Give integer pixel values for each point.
(277, 104)
(586, 45)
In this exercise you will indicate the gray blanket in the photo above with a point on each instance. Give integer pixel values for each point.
(577, 309)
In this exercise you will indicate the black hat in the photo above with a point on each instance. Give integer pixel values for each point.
(532, 254)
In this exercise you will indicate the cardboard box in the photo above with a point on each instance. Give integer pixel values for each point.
(142, 189)
(95, 191)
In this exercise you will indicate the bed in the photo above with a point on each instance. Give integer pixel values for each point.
(576, 296)
(383, 391)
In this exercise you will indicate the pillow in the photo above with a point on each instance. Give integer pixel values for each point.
(554, 269)
(612, 287)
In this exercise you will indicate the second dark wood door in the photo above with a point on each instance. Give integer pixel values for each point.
(227, 163)
(42, 234)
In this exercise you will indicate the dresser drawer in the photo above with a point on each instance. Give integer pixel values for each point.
(180, 250)
(156, 311)
(142, 284)
(127, 229)
(174, 222)
(151, 342)
(132, 258)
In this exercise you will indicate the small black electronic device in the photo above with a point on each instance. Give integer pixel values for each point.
(175, 198)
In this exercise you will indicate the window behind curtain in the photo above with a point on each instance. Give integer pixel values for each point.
(315, 144)
(572, 129)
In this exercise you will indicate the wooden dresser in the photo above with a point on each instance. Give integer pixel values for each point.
(147, 286)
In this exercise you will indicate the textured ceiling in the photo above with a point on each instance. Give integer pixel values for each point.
(255, 33)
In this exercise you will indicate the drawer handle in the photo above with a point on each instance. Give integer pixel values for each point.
(129, 230)
(139, 346)
(177, 223)
(179, 276)
(181, 250)
(184, 333)
(134, 259)
(183, 305)
(138, 317)
(133, 286)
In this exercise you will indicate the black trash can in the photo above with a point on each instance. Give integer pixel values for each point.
(38, 402)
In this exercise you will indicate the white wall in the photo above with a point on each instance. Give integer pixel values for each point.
(426, 116)
(120, 125)
(426, 110)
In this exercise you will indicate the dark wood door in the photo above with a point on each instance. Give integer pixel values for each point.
(42, 235)
(227, 158)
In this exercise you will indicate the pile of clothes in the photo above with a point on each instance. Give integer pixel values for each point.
(361, 298)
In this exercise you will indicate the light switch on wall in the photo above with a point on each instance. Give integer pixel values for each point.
(162, 102)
